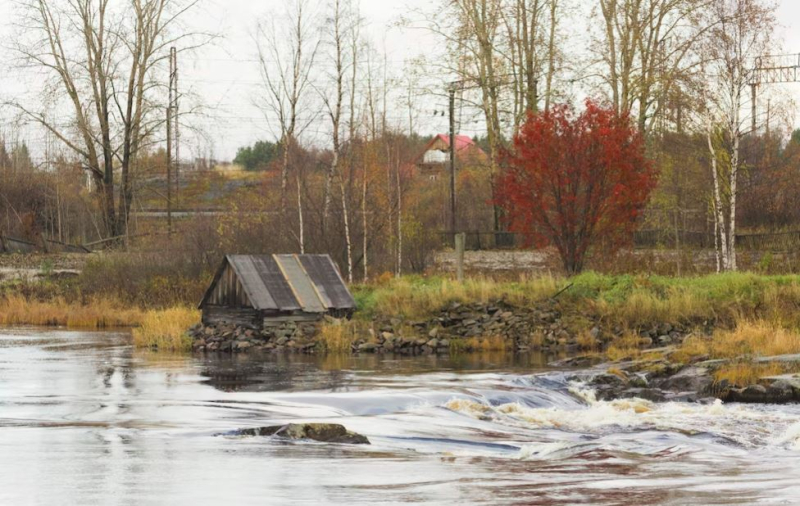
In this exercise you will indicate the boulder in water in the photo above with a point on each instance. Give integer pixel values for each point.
(692, 379)
(322, 432)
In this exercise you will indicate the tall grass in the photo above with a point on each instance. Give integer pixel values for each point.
(415, 297)
(97, 313)
(166, 330)
(743, 374)
(338, 337)
(748, 339)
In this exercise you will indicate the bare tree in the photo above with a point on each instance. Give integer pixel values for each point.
(646, 45)
(287, 50)
(102, 61)
(342, 37)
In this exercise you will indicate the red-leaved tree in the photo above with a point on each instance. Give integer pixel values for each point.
(576, 181)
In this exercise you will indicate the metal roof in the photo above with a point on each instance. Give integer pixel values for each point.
(310, 283)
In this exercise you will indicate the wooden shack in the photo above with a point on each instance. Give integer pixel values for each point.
(265, 290)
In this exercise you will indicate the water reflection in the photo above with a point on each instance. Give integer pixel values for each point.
(272, 373)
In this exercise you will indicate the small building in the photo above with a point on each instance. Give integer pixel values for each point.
(258, 291)
(435, 158)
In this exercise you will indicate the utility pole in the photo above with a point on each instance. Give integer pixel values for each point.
(170, 110)
(453, 160)
(772, 70)
(177, 125)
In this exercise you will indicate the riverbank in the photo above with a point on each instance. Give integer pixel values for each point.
(643, 324)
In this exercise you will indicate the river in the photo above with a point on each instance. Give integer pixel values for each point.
(86, 419)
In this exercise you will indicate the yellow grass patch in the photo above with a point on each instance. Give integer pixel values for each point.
(750, 338)
(586, 341)
(97, 314)
(166, 330)
(743, 374)
(338, 337)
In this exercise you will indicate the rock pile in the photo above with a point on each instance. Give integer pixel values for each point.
(227, 337)
(661, 380)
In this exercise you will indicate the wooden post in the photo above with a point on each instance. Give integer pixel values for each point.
(461, 244)
(45, 245)
(2, 243)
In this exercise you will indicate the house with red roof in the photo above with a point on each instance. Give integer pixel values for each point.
(435, 158)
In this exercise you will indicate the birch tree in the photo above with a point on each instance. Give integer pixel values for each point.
(338, 31)
(287, 50)
(741, 32)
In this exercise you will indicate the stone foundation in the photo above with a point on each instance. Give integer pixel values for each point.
(227, 337)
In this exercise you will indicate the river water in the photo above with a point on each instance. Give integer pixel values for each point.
(86, 419)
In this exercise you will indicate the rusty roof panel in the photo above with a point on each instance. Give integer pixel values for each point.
(325, 275)
(301, 284)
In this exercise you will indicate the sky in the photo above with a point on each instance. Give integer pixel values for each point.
(221, 80)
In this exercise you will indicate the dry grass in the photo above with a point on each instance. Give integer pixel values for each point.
(624, 347)
(618, 373)
(586, 341)
(338, 337)
(166, 330)
(97, 314)
(743, 374)
(749, 339)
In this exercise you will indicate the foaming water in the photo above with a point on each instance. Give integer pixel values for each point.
(85, 419)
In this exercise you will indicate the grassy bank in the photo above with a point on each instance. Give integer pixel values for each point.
(750, 315)
(627, 301)
(738, 318)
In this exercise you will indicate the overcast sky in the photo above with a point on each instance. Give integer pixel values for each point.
(224, 78)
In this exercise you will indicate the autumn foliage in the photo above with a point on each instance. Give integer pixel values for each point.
(576, 181)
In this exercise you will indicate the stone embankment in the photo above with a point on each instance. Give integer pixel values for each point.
(481, 326)
(493, 326)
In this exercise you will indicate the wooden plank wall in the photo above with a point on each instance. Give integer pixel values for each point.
(229, 291)
(246, 317)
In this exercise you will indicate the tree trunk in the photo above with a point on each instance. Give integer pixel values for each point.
(719, 217)
(347, 232)
(302, 236)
